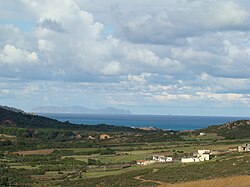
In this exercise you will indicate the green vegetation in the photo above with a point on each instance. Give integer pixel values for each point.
(231, 130)
(38, 151)
(29, 121)
(125, 179)
(204, 170)
(22, 131)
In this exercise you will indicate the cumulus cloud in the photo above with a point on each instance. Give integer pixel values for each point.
(172, 24)
(45, 45)
(112, 68)
(192, 53)
(12, 55)
(138, 78)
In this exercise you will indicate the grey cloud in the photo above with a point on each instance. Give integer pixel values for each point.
(52, 25)
(168, 25)
(166, 54)
(12, 10)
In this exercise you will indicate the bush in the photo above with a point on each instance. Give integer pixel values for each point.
(107, 151)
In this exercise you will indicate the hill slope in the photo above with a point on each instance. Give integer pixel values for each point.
(231, 130)
(18, 118)
(18, 123)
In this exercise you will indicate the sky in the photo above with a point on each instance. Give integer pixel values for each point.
(179, 57)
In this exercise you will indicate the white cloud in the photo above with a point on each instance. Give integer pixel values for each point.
(5, 91)
(138, 78)
(167, 97)
(173, 23)
(192, 53)
(12, 55)
(228, 14)
(142, 57)
(45, 45)
(112, 68)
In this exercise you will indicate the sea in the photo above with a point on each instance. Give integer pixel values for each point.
(165, 122)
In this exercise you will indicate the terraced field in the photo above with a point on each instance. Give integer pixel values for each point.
(36, 152)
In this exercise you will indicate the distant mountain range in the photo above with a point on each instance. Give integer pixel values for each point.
(78, 110)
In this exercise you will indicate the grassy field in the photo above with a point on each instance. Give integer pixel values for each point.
(78, 150)
(208, 136)
(36, 152)
(25, 167)
(238, 165)
(111, 159)
(147, 151)
(108, 173)
(155, 175)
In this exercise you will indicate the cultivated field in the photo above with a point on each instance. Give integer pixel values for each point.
(236, 181)
(115, 165)
(36, 152)
(6, 137)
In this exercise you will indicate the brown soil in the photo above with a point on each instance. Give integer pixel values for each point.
(36, 152)
(4, 137)
(7, 136)
(239, 181)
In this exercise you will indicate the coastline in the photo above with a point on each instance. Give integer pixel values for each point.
(164, 122)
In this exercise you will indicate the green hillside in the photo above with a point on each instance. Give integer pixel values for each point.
(34, 130)
(231, 130)
(17, 118)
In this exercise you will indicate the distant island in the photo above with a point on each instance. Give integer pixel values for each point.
(78, 110)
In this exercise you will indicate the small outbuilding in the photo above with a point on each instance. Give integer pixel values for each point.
(201, 156)
(91, 138)
(159, 158)
(144, 162)
(105, 136)
(244, 148)
(202, 134)
(191, 159)
(204, 151)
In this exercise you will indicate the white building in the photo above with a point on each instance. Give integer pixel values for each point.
(157, 158)
(203, 151)
(202, 155)
(191, 159)
(245, 147)
(202, 134)
(145, 162)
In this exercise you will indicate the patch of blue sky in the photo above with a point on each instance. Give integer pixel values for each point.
(21, 24)
(108, 30)
(247, 43)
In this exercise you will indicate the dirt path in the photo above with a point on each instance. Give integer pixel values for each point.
(155, 170)
(145, 180)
